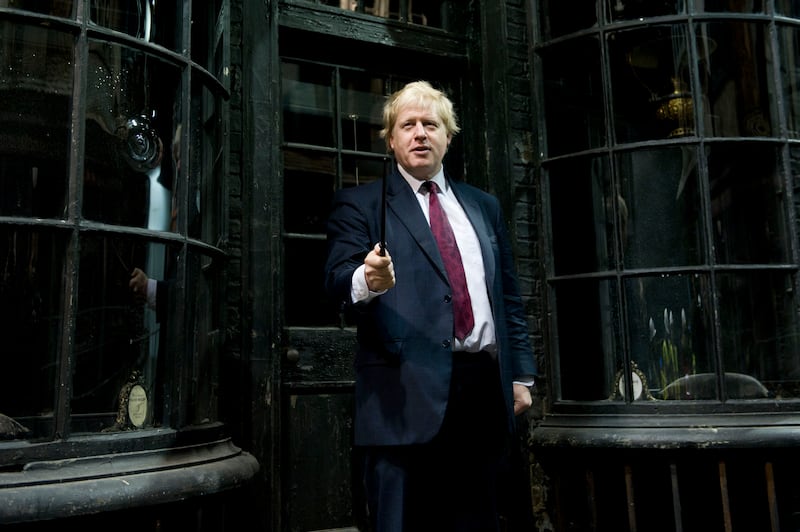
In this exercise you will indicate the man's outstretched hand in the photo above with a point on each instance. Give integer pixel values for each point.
(379, 270)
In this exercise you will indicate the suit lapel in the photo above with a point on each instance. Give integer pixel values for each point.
(402, 203)
(477, 218)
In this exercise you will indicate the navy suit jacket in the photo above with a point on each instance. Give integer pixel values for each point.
(403, 364)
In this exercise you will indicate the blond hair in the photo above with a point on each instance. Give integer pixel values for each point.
(418, 94)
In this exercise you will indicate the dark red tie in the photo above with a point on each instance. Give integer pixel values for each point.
(443, 233)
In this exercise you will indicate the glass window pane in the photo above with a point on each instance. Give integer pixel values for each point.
(737, 78)
(119, 332)
(582, 214)
(56, 8)
(557, 18)
(651, 83)
(790, 76)
(304, 292)
(31, 289)
(33, 184)
(758, 317)
(670, 330)
(789, 8)
(362, 97)
(204, 313)
(207, 169)
(660, 209)
(36, 88)
(573, 97)
(635, 9)
(308, 104)
(729, 6)
(360, 170)
(309, 183)
(794, 171)
(587, 335)
(148, 20)
(130, 124)
(428, 13)
(208, 39)
(748, 205)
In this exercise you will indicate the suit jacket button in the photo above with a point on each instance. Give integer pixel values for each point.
(448, 298)
(446, 343)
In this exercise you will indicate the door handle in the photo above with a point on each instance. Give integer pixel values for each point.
(292, 355)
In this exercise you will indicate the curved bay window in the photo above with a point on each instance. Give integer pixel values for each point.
(669, 164)
(670, 156)
(111, 169)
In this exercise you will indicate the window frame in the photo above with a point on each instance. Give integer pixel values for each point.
(62, 439)
(609, 150)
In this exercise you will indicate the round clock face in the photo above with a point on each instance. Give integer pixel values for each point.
(636, 381)
(137, 406)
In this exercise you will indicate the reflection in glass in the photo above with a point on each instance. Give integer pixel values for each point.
(582, 212)
(304, 282)
(35, 88)
(119, 330)
(730, 6)
(308, 102)
(148, 20)
(360, 170)
(740, 94)
(209, 32)
(55, 8)
(208, 169)
(670, 330)
(789, 38)
(31, 287)
(635, 9)
(759, 325)
(427, 13)
(789, 8)
(660, 211)
(205, 323)
(573, 97)
(652, 82)
(308, 190)
(129, 133)
(557, 18)
(587, 332)
(362, 111)
(134, 18)
(748, 205)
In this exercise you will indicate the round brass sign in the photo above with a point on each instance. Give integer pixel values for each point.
(137, 406)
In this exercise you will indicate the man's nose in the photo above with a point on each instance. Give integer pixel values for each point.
(419, 130)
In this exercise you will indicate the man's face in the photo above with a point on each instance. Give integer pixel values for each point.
(419, 141)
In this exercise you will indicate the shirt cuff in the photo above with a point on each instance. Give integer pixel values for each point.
(152, 287)
(359, 291)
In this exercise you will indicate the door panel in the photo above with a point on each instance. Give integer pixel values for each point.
(320, 488)
(331, 122)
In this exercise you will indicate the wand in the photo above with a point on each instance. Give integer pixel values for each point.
(383, 211)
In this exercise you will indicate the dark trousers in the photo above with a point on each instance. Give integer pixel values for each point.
(449, 484)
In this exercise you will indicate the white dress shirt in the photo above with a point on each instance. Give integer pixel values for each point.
(482, 337)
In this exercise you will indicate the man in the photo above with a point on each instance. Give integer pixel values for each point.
(441, 372)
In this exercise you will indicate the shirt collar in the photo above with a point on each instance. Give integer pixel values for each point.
(415, 183)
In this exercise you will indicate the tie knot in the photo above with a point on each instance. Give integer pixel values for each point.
(430, 186)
